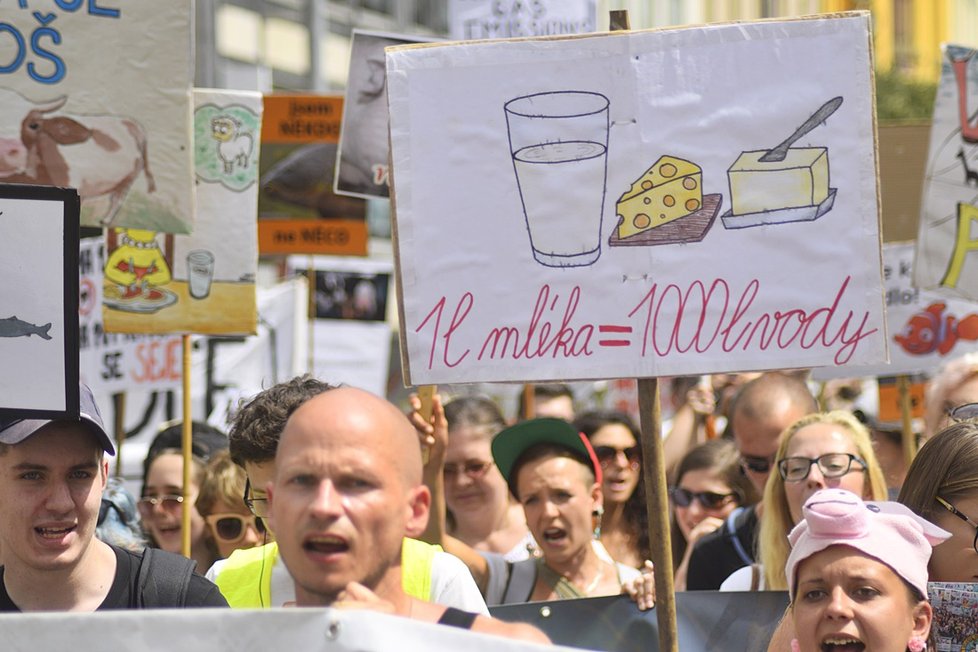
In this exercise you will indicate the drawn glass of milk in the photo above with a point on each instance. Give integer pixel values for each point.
(559, 144)
(200, 273)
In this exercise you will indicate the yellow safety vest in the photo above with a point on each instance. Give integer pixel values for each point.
(245, 579)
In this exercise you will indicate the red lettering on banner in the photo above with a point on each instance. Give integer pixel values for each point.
(156, 362)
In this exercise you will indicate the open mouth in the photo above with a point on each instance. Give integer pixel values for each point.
(842, 644)
(325, 545)
(554, 535)
(54, 532)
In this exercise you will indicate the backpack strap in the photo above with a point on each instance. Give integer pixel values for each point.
(522, 579)
(730, 531)
(162, 579)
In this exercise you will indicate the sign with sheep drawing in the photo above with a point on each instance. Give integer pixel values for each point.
(204, 282)
(122, 138)
(633, 204)
(39, 310)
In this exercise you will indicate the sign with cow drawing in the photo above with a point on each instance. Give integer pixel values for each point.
(947, 242)
(204, 282)
(93, 99)
(636, 204)
(39, 309)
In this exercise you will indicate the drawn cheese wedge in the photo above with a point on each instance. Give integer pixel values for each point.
(672, 188)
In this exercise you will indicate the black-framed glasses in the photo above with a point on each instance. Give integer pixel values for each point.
(756, 463)
(964, 412)
(707, 499)
(954, 510)
(607, 454)
(473, 469)
(147, 504)
(231, 528)
(257, 506)
(832, 465)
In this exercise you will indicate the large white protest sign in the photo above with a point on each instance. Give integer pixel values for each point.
(478, 19)
(947, 243)
(637, 204)
(925, 328)
(38, 330)
(96, 96)
(310, 630)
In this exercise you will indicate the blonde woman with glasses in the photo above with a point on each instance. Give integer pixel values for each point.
(825, 450)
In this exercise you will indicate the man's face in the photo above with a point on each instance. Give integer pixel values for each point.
(51, 484)
(339, 504)
(758, 439)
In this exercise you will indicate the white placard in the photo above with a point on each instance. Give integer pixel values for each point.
(95, 95)
(480, 19)
(515, 160)
(947, 242)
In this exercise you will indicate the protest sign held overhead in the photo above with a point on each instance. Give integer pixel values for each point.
(299, 212)
(122, 139)
(38, 322)
(947, 247)
(204, 282)
(638, 204)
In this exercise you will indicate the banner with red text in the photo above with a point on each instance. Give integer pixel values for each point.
(638, 204)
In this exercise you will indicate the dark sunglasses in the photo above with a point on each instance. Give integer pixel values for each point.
(756, 464)
(708, 499)
(232, 527)
(606, 454)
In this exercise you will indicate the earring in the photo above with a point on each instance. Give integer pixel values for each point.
(596, 515)
(794, 645)
(917, 644)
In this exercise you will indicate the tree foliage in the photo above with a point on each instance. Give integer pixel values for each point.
(898, 97)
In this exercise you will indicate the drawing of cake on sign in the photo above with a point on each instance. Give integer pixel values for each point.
(783, 184)
(665, 205)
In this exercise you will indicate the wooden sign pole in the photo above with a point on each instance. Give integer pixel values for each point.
(657, 506)
(906, 415)
(187, 449)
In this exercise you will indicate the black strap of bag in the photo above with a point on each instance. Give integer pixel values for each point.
(163, 580)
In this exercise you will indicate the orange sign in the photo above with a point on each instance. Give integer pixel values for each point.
(327, 237)
(889, 410)
(301, 119)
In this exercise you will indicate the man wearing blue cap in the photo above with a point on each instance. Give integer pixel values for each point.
(52, 475)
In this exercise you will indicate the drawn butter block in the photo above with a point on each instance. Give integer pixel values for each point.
(801, 179)
(670, 189)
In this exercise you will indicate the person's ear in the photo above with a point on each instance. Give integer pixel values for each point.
(923, 615)
(105, 473)
(597, 498)
(419, 507)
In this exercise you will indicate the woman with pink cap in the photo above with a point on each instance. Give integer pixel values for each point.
(857, 575)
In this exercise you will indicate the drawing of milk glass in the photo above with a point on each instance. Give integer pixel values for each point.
(559, 144)
(200, 272)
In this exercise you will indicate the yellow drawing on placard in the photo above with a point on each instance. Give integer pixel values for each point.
(134, 273)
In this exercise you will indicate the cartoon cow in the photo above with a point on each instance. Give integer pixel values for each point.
(99, 155)
(232, 146)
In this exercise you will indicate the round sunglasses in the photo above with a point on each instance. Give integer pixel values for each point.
(607, 454)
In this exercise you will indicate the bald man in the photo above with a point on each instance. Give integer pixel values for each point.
(347, 489)
(762, 410)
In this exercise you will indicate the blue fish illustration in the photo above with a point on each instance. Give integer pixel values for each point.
(13, 327)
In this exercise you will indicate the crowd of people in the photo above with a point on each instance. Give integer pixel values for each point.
(325, 495)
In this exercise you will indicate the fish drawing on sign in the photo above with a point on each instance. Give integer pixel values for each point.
(931, 330)
(13, 327)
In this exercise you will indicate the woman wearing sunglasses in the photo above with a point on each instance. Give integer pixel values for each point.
(624, 520)
(956, 384)
(942, 487)
(825, 450)
(709, 488)
(221, 502)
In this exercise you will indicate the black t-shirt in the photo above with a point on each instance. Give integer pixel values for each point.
(122, 594)
(715, 555)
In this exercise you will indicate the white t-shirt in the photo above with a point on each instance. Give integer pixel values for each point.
(451, 584)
